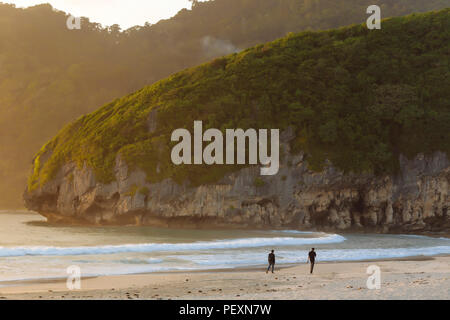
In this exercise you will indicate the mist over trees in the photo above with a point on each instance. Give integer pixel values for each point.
(50, 75)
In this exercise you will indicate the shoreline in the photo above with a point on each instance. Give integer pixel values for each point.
(423, 274)
(168, 284)
(251, 268)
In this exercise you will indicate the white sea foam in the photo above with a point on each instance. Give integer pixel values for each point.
(229, 260)
(300, 256)
(416, 236)
(294, 231)
(29, 253)
(381, 253)
(154, 247)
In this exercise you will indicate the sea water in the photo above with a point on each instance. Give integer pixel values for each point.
(30, 248)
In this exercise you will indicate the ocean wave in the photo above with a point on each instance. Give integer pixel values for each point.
(294, 231)
(300, 256)
(140, 261)
(382, 253)
(229, 260)
(164, 247)
(416, 236)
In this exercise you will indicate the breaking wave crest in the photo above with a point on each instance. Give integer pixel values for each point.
(164, 247)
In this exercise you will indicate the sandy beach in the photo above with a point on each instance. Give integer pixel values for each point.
(411, 278)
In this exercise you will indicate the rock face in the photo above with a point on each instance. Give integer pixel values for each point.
(416, 200)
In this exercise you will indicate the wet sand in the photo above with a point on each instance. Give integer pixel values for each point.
(411, 278)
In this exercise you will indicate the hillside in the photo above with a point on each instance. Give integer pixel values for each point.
(50, 75)
(363, 100)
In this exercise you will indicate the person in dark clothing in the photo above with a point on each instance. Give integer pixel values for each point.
(271, 261)
(312, 259)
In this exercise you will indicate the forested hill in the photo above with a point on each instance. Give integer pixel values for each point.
(50, 75)
(355, 96)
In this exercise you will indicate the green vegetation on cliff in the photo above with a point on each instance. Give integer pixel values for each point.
(355, 96)
(50, 75)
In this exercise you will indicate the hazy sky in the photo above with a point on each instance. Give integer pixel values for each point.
(126, 13)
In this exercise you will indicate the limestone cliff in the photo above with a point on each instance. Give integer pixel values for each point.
(415, 200)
